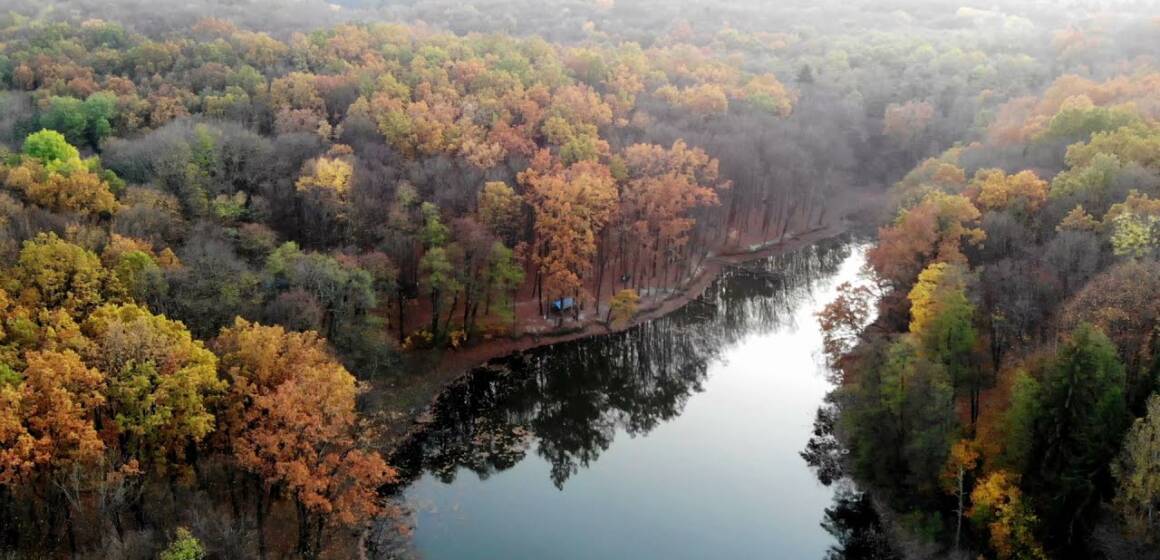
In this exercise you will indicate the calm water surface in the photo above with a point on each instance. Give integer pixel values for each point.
(676, 439)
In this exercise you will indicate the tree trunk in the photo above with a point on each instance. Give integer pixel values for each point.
(399, 301)
(304, 532)
(959, 520)
(599, 270)
(70, 530)
(260, 514)
(451, 312)
(466, 309)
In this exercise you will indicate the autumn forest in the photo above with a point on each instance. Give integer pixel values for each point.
(244, 244)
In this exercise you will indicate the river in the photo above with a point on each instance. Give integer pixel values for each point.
(678, 438)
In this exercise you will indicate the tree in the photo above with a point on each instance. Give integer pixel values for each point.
(324, 186)
(767, 93)
(161, 382)
(53, 273)
(81, 122)
(1120, 302)
(141, 277)
(440, 279)
(212, 287)
(1090, 184)
(100, 110)
(65, 115)
(185, 546)
(940, 173)
(501, 210)
(935, 230)
(1135, 226)
(1137, 143)
(941, 320)
(1019, 423)
(289, 417)
(623, 307)
(434, 233)
(1137, 472)
(572, 207)
(1078, 118)
(704, 101)
(999, 506)
(78, 191)
(296, 90)
(345, 291)
(917, 397)
(1135, 236)
(51, 149)
(1023, 193)
(332, 174)
(505, 276)
(1077, 219)
(963, 458)
(663, 187)
(1083, 420)
(906, 123)
(843, 319)
(49, 419)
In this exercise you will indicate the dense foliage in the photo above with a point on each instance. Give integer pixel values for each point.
(1000, 392)
(208, 223)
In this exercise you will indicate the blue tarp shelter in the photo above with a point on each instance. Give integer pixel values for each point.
(562, 305)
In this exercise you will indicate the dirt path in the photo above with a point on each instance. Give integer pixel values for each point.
(467, 358)
(399, 407)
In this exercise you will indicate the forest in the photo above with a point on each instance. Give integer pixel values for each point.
(224, 224)
(1004, 399)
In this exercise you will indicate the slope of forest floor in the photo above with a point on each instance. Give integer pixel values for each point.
(400, 406)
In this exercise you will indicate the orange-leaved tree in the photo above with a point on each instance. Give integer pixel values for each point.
(934, 230)
(572, 206)
(290, 419)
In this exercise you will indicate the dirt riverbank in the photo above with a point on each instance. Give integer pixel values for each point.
(400, 406)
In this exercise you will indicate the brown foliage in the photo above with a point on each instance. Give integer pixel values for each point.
(290, 418)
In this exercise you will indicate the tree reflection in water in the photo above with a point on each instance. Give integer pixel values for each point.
(569, 400)
(854, 523)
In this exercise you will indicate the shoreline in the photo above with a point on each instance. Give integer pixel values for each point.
(407, 409)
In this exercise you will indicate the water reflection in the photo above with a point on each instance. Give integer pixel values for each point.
(569, 401)
(676, 439)
(855, 525)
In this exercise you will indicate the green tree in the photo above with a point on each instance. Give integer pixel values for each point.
(67, 116)
(941, 321)
(141, 277)
(100, 109)
(1137, 472)
(1135, 235)
(161, 381)
(1085, 414)
(1080, 120)
(1089, 183)
(346, 292)
(438, 280)
(504, 275)
(1019, 422)
(51, 149)
(185, 546)
(919, 396)
(435, 233)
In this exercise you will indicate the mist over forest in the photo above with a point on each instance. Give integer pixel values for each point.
(245, 244)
